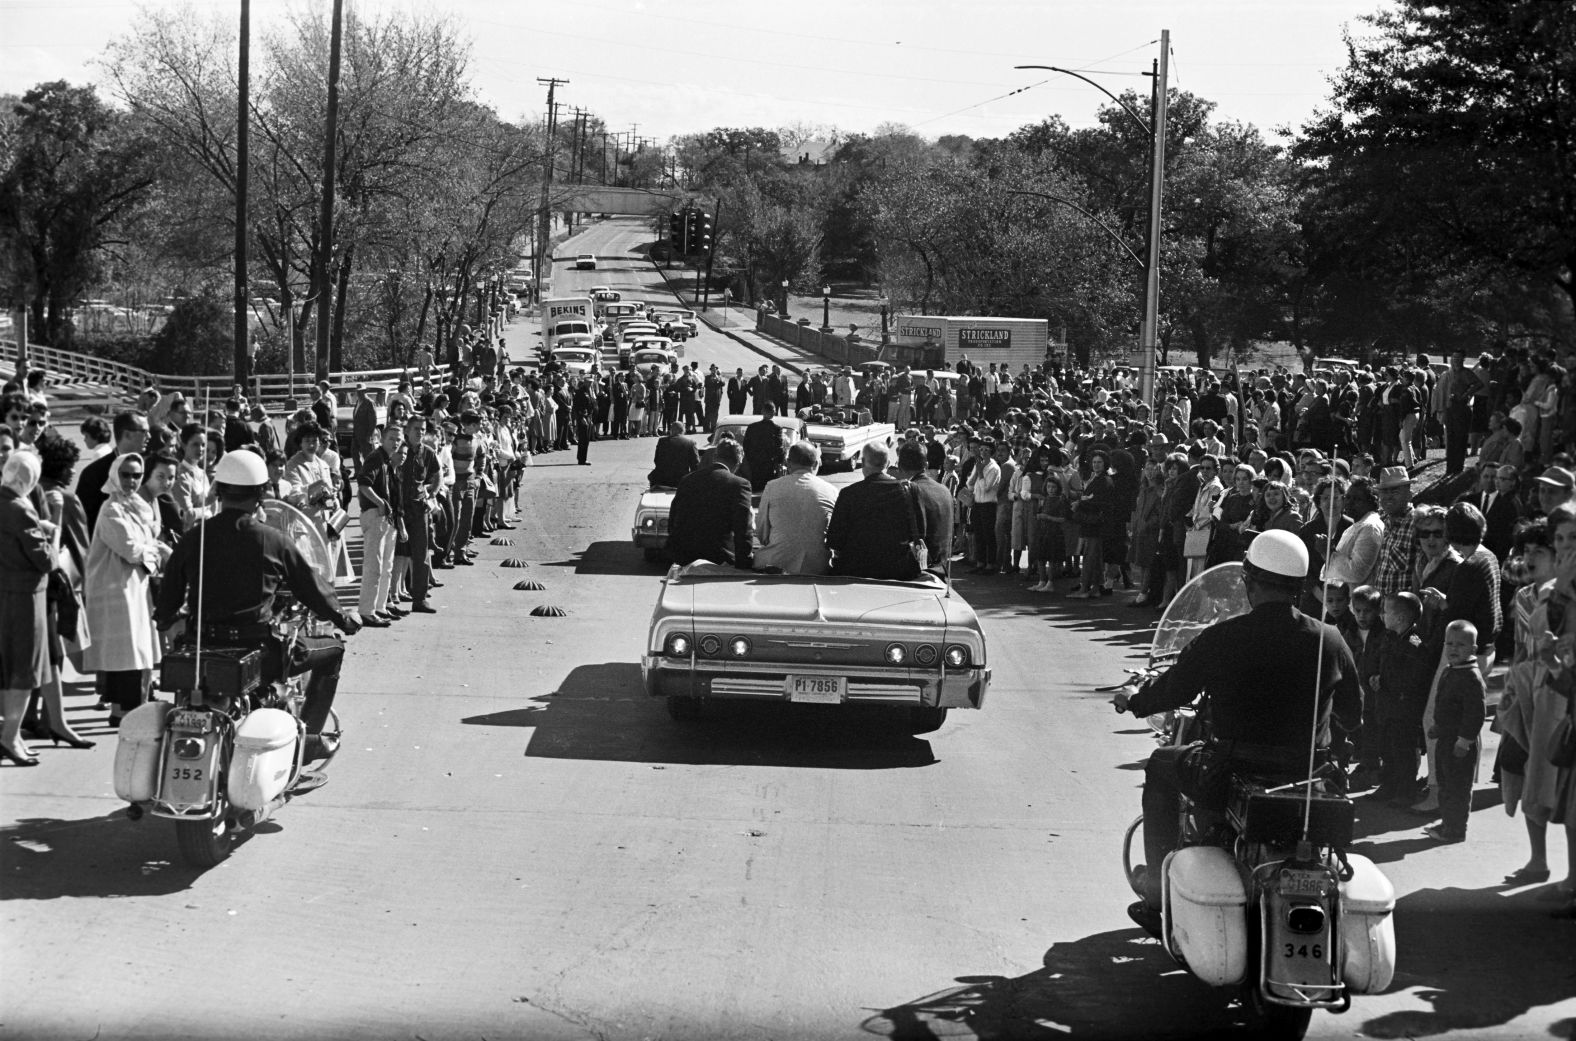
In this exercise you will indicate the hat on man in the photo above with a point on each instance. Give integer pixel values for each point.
(1158, 440)
(1557, 477)
(1394, 477)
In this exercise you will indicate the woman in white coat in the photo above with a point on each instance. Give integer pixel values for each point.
(123, 556)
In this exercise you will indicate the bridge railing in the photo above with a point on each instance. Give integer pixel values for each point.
(122, 382)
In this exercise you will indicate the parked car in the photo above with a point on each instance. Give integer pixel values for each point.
(718, 633)
(585, 262)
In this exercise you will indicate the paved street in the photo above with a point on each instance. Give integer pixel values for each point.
(516, 842)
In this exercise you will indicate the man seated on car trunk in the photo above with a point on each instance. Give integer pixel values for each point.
(874, 521)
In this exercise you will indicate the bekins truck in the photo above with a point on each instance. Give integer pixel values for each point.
(567, 316)
(931, 341)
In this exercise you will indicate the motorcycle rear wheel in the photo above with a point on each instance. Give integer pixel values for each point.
(205, 844)
(1276, 1022)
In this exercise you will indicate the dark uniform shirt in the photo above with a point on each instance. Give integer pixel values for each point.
(247, 562)
(1258, 670)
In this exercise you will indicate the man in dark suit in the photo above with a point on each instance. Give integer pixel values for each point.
(873, 522)
(710, 516)
(131, 435)
(738, 393)
(676, 458)
(935, 502)
(764, 449)
(1502, 512)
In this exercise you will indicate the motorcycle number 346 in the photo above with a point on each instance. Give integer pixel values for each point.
(1293, 950)
(194, 773)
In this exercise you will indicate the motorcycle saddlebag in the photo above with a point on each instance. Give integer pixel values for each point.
(1204, 901)
(1367, 928)
(231, 671)
(265, 758)
(137, 751)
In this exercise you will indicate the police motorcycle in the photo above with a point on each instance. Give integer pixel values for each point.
(1262, 901)
(229, 749)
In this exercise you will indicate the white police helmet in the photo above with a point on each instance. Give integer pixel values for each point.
(243, 469)
(1273, 555)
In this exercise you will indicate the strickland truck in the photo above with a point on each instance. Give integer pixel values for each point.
(570, 316)
(936, 341)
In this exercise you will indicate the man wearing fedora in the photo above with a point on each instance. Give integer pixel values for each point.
(1398, 553)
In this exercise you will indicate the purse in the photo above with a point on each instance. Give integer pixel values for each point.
(1196, 542)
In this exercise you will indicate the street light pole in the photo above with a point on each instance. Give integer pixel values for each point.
(785, 299)
(826, 308)
(1149, 336)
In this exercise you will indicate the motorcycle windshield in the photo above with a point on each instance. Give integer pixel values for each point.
(1213, 596)
(302, 531)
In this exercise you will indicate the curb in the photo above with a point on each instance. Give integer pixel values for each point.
(741, 341)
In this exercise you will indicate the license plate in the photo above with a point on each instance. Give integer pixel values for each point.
(1303, 883)
(201, 722)
(818, 690)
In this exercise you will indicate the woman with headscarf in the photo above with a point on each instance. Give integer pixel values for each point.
(124, 555)
(26, 559)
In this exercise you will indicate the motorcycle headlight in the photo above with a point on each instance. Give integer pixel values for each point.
(896, 654)
(957, 656)
(739, 647)
(678, 645)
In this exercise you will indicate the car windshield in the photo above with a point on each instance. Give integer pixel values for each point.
(573, 356)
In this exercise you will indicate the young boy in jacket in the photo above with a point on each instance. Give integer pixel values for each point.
(1363, 634)
(1458, 717)
(1400, 688)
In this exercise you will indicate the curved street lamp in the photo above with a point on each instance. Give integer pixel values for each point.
(1156, 133)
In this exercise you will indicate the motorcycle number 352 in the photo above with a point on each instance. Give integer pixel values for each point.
(194, 773)
(1292, 950)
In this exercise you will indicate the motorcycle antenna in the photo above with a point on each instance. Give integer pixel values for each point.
(1330, 522)
(202, 562)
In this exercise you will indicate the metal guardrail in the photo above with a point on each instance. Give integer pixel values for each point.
(272, 390)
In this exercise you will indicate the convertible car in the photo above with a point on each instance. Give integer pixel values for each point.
(842, 434)
(650, 531)
(721, 633)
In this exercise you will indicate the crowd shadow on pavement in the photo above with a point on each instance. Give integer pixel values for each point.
(602, 713)
(47, 858)
(1115, 985)
(1446, 938)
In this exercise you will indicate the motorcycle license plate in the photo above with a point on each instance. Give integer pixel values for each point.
(201, 722)
(1303, 883)
(818, 690)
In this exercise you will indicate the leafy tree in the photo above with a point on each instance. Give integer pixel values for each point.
(72, 170)
(1444, 174)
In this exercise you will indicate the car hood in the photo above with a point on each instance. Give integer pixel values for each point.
(825, 599)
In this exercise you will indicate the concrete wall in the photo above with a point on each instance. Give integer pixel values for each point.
(835, 349)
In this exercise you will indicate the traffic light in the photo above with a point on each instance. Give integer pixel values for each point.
(700, 240)
(691, 228)
(676, 230)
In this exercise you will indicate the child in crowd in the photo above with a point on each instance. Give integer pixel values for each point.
(1364, 637)
(1400, 689)
(1362, 465)
(1050, 522)
(1337, 609)
(1458, 717)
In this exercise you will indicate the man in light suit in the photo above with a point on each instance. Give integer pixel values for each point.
(795, 510)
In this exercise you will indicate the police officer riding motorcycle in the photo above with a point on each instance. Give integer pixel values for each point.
(243, 566)
(1258, 672)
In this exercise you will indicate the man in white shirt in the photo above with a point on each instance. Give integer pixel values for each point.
(794, 512)
(984, 485)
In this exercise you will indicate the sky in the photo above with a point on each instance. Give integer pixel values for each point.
(660, 68)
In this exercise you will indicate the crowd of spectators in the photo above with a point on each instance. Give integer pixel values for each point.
(1070, 481)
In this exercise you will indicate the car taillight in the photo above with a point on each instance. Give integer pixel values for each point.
(710, 645)
(739, 647)
(896, 654)
(925, 654)
(678, 645)
(957, 656)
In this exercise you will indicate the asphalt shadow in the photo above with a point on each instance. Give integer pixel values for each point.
(1442, 935)
(47, 858)
(602, 713)
(1071, 996)
(610, 558)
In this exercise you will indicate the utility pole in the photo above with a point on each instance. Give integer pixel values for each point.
(241, 359)
(325, 281)
(1157, 185)
(544, 219)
